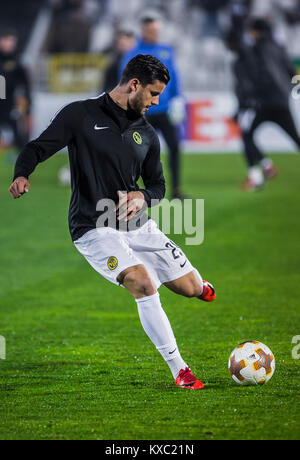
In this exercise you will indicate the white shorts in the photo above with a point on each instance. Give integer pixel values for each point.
(110, 252)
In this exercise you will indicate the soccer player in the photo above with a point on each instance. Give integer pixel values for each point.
(244, 70)
(269, 70)
(166, 117)
(111, 145)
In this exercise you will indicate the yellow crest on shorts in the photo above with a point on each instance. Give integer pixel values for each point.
(112, 263)
(137, 138)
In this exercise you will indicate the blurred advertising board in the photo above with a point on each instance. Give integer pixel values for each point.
(76, 72)
(208, 126)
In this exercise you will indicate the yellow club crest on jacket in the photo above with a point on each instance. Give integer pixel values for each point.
(137, 138)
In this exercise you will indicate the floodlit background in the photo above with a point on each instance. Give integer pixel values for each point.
(67, 44)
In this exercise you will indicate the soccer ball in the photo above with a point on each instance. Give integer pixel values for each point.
(251, 363)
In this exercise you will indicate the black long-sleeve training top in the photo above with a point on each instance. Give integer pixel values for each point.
(109, 150)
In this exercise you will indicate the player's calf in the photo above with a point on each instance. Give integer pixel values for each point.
(189, 285)
(192, 286)
(201, 290)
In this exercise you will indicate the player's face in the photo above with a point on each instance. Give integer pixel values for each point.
(144, 97)
(151, 32)
(8, 44)
(125, 43)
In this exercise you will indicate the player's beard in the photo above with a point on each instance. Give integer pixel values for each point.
(137, 105)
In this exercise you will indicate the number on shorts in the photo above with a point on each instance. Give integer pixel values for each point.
(176, 252)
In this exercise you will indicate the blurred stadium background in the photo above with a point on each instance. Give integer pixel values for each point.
(66, 46)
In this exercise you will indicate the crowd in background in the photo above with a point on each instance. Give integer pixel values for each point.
(82, 26)
(262, 69)
(197, 29)
(74, 20)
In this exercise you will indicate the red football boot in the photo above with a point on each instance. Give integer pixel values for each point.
(209, 293)
(270, 172)
(249, 186)
(186, 379)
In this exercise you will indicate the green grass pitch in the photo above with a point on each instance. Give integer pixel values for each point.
(78, 363)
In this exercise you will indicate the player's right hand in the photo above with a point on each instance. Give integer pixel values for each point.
(20, 186)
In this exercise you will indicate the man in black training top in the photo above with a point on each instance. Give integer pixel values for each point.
(111, 145)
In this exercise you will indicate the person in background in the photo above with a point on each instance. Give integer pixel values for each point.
(15, 108)
(125, 41)
(243, 69)
(71, 28)
(292, 13)
(171, 112)
(239, 12)
(264, 74)
(212, 25)
(209, 24)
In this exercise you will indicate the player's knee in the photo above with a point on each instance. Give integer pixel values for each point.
(141, 284)
(137, 281)
(147, 288)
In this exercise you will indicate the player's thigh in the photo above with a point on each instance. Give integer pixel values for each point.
(286, 121)
(249, 120)
(107, 251)
(163, 258)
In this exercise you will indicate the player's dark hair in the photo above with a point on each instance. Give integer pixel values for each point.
(147, 69)
(148, 20)
(126, 32)
(260, 25)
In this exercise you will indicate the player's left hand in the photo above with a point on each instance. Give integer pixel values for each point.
(129, 204)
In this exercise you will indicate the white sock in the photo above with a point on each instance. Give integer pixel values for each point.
(256, 175)
(158, 328)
